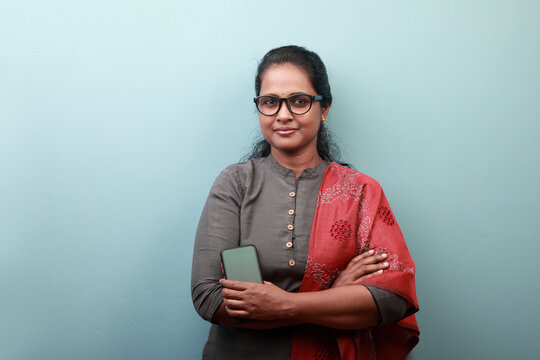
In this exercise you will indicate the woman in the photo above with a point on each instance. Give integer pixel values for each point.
(339, 281)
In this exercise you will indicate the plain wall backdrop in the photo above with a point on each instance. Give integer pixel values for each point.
(116, 117)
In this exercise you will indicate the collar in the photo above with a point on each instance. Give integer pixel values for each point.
(288, 174)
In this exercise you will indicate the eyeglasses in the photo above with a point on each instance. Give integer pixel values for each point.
(297, 104)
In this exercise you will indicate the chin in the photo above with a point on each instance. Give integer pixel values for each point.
(285, 146)
(289, 150)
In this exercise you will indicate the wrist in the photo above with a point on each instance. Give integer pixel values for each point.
(290, 307)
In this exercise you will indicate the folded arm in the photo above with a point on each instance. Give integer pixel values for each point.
(346, 307)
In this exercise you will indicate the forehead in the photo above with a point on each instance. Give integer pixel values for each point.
(285, 79)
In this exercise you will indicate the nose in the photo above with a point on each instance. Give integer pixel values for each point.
(284, 113)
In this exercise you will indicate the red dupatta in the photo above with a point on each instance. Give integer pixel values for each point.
(353, 216)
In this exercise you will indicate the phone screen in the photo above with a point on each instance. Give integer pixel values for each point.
(242, 264)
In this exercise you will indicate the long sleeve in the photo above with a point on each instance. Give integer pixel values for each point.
(219, 228)
(391, 307)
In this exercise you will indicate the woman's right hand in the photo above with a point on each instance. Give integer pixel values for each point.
(360, 268)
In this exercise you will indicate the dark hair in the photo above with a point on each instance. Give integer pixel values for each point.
(304, 59)
(313, 65)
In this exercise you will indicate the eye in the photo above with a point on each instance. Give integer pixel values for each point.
(300, 100)
(267, 101)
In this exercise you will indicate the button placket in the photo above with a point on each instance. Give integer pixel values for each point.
(292, 213)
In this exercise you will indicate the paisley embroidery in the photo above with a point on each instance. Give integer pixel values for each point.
(364, 229)
(362, 234)
(345, 188)
(320, 273)
(394, 262)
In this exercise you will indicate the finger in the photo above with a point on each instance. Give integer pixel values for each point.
(381, 257)
(367, 270)
(373, 259)
(235, 285)
(376, 273)
(367, 258)
(367, 265)
(366, 254)
(237, 313)
(231, 294)
(362, 256)
(233, 304)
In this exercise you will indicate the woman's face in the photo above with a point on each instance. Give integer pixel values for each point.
(286, 132)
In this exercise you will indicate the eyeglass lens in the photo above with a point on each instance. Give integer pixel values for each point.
(297, 104)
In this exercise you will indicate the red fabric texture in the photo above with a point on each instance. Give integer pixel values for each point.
(352, 217)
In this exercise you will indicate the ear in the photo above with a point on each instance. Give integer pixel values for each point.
(325, 111)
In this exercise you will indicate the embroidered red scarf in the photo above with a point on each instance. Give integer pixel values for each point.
(353, 216)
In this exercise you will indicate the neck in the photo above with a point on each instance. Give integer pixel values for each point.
(297, 162)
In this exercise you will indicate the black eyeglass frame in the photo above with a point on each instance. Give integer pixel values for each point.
(311, 97)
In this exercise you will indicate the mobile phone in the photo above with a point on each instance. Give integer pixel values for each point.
(241, 264)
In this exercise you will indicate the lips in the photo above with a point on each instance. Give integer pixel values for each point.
(285, 131)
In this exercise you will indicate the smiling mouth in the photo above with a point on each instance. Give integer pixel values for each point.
(285, 131)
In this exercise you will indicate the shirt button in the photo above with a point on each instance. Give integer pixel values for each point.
(288, 244)
(292, 194)
(291, 212)
(290, 227)
(292, 262)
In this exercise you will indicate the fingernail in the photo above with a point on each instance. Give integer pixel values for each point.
(380, 271)
(384, 255)
(371, 251)
(385, 264)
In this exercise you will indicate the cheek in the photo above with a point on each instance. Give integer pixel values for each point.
(315, 123)
(265, 123)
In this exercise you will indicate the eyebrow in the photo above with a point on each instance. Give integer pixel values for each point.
(291, 94)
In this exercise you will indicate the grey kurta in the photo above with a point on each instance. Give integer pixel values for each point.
(262, 203)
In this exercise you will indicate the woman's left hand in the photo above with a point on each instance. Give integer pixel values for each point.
(255, 301)
(360, 268)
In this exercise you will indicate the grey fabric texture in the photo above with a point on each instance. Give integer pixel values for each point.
(391, 306)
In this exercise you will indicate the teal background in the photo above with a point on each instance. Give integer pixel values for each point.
(116, 116)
